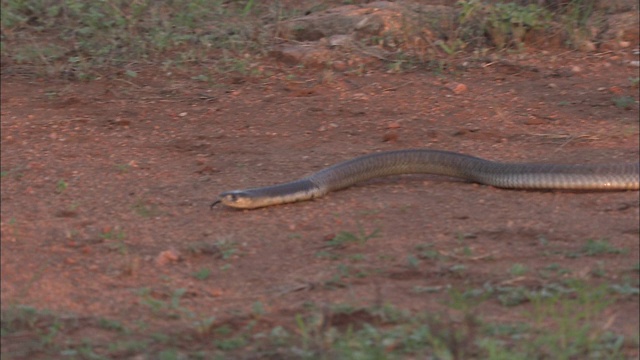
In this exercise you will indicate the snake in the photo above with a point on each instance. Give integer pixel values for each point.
(526, 176)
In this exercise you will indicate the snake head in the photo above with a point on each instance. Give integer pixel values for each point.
(237, 199)
(254, 198)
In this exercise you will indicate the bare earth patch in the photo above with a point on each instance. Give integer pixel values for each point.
(106, 187)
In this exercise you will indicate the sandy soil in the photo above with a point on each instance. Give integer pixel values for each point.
(106, 188)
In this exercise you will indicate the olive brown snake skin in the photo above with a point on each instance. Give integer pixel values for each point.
(424, 161)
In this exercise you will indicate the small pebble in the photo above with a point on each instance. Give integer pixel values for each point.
(167, 256)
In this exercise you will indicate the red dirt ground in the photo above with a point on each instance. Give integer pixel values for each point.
(107, 184)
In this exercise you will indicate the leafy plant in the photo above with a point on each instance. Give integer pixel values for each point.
(345, 237)
(146, 210)
(623, 102)
(227, 248)
(578, 12)
(518, 270)
(598, 247)
(202, 274)
(114, 233)
(509, 22)
(61, 186)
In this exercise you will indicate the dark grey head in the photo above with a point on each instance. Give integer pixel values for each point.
(240, 199)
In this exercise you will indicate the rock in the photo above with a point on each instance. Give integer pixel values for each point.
(340, 40)
(624, 44)
(457, 88)
(294, 54)
(395, 25)
(616, 90)
(534, 121)
(390, 137)
(393, 125)
(167, 257)
(621, 29)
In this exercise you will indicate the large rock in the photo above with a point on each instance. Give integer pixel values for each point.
(371, 30)
(621, 30)
(379, 18)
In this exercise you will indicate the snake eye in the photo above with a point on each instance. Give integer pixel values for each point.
(237, 199)
(232, 197)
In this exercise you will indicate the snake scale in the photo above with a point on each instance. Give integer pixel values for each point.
(425, 161)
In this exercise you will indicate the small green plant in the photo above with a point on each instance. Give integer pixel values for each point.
(458, 268)
(202, 274)
(344, 272)
(466, 251)
(330, 255)
(170, 309)
(123, 168)
(146, 210)
(111, 234)
(357, 257)
(625, 289)
(61, 186)
(204, 325)
(343, 238)
(116, 242)
(518, 270)
(112, 325)
(258, 309)
(226, 267)
(201, 77)
(17, 318)
(52, 331)
(413, 262)
(599, 270)
(623, 102)
(429, 289)
(396, 66)
(461, 237)
(466, 301)
(226, 248)
(231, 344)
(512, 296)
(599, 247)
(553, 269)
(426, 251)
(223, 330)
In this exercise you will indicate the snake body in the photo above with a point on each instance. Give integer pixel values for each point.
(425, 161)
